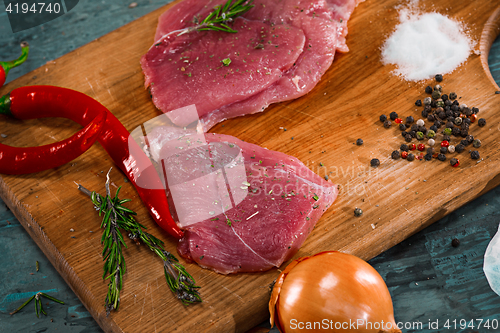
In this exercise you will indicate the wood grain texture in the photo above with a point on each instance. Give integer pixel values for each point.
(324, 124)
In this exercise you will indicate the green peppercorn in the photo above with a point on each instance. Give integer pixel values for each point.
(420, 136)
(358, 212)
(375, 162)
(447, 131)
(431, 134)
(476, 143)
(440, 103)
(436, 94)
(395, 155)
(474, 155)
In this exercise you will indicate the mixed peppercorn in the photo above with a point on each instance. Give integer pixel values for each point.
(449, 119)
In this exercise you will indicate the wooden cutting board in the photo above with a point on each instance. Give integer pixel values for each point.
(398, 198)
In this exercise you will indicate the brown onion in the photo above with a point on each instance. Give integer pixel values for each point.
(334, 292)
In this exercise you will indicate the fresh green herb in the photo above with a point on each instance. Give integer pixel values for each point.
(315, 197)
(38, 303)
(116, 218)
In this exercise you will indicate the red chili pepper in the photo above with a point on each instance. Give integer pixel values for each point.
(6, 66)
(48, 101)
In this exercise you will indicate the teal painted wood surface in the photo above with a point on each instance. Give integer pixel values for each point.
(429, 279)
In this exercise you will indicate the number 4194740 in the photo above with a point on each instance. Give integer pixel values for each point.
(472, 324)
(36, 8)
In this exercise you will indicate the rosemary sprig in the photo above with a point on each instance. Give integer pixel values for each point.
(117, 217)
(38, 303)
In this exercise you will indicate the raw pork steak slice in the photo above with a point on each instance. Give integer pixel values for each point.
(243, 208)
(323, 23)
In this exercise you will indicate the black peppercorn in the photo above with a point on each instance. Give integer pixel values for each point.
(375, 162)
(447, 103)
(460, 148)
(455, 131)
(449, 124)
(442, 115)
(474, 155)
(434, 128)
(464, 143)
(439, 77)
(455, 242)
(428, 157)
(404, 147)
(430, 151)
(456, 114)
(431, 117)
(404, 134)
(358, 212)
(453, 161)
(413, 134)
(414, 127)
(395, 155)
(443, 150)
(418, 102)
(454, 107)
(453, 95)
(444, 97)
(464, 133)
(393, 115)
(442, 157)
(408, 138)
(467, 112)
(410, 157)
(387, 123)
(383, 118)
(359, 142)
(433, 104)
(475, 110)
(481, 122)
(469, 138)
(409, 120)
(464, 126)
(446, 138)
(402, 127)
(456, 102)
(466, 121)
(428, 90)
(437, 123)
(425, 113)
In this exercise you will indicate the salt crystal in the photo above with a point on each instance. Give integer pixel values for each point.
(491, 266)
(424, 45)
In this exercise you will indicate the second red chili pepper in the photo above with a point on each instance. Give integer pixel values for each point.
(6, 66)
(48, 101)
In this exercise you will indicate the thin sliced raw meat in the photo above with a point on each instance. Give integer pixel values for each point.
(203, 68)
(243, 208)
(323, 23)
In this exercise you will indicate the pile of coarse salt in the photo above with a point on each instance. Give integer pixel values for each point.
(424, 45)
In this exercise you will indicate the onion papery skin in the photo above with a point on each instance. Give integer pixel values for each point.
(331, 289)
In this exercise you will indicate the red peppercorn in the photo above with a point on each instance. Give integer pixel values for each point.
(456, 164)
(412, 146)
(404, 154)
(421, 147)
(398, 120)
(445, 144)
(473, 118)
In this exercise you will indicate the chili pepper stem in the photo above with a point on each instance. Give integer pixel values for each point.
(8, 65)
(5, 105)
